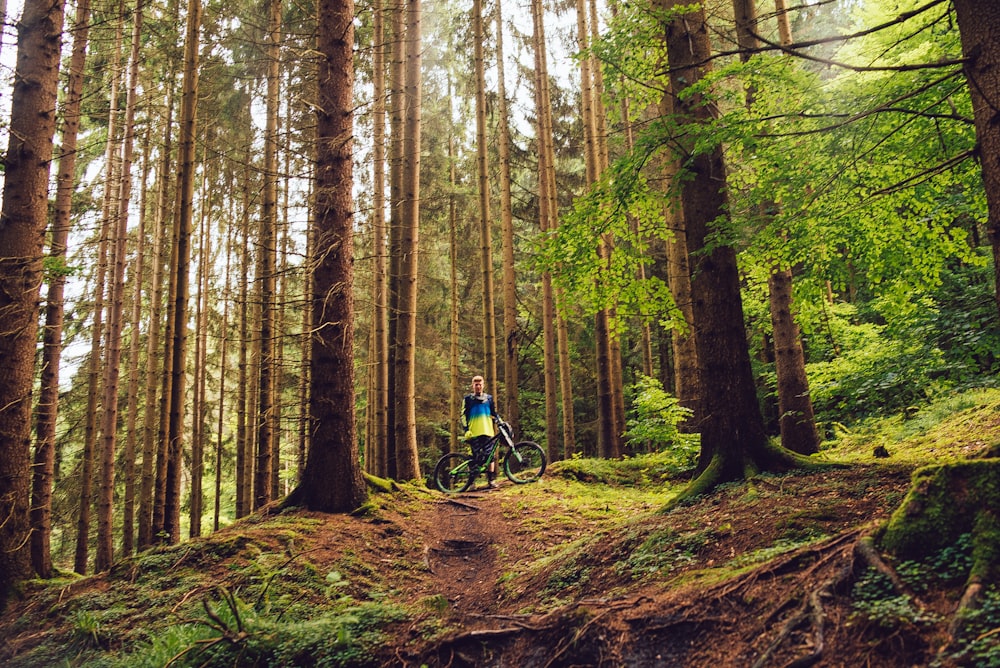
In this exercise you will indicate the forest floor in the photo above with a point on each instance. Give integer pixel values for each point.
(574, 570)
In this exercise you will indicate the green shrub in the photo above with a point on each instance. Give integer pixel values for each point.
(653, 420)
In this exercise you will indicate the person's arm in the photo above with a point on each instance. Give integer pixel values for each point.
(465, 416)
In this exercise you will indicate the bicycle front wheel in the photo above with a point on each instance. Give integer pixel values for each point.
(453, 473)
(525, 462)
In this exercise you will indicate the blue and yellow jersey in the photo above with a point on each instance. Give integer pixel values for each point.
(478, 413)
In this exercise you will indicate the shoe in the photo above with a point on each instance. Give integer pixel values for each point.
(493, 484)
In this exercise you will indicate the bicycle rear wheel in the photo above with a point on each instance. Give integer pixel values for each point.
(525, 462)
(454, 473)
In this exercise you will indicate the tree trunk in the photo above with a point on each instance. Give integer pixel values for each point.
(512, 411)
(223, 372)
(397, 104)
(154, 341)
(244, 467)
(134, 358)
(796, 419)
(185, 198)
(105, 530)
(979, 28)
(47, 408)
(82, 554)
(306, 366)
(733, 440)
(485, 221)
(376, 463)
(404, 382)
(332, 481)
(547, 222)
(455, 394)
(266, 263)
(22, 226)
(199, 406)
(677, 270)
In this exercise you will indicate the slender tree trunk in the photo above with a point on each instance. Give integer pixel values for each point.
(485, 221)
(407, 456)
(305, 372)
(547, 216)
(163, 442)
(90, 431)
(332, 481)
(105, 530)
(268, 225)
(199, 407)
(677, 271)
(397, 104)
(244, 489)
(378, 362)
(455, 394)
(47, 408)
(185, 198)
(134, 358)
(512, 411)
(797, 420)
(223, 372)
(23, 220)
(154, 341)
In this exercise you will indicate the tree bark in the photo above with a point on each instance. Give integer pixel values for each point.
(185, 198)
(397, 105)
(404, 380)
(132, 431)
(512, 411)
(199, 405)
(979, 28)
(22, 226)
(104, 554)
(455, 394)
(47, 408)
(154, 340)
(485, 221)
(546, 215)
(333, 457)
(266, 264)
(376, 462)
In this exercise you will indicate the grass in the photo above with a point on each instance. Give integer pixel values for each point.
(925, 434)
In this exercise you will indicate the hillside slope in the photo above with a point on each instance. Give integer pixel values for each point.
(564, 572)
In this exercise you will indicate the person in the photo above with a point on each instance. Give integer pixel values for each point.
(478, 415)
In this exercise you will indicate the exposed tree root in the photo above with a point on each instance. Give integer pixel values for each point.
(865, 549)
(970, 600)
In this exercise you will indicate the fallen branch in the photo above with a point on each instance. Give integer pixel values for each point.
(456, 502)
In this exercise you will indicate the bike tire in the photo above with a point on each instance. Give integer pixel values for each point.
(524, 462)
(450, 476)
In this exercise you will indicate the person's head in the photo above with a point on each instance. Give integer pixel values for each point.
(477, 385)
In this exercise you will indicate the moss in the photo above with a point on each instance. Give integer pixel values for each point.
(944, 502)
(380, 485)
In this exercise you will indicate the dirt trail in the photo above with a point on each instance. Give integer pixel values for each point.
(461, 552)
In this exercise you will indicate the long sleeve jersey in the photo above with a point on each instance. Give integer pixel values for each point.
(478, 413)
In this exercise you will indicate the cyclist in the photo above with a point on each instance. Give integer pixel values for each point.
(478, 415)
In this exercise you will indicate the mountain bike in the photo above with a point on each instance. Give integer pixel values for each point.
(522, 462)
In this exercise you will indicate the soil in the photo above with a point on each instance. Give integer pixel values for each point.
(757, 574)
